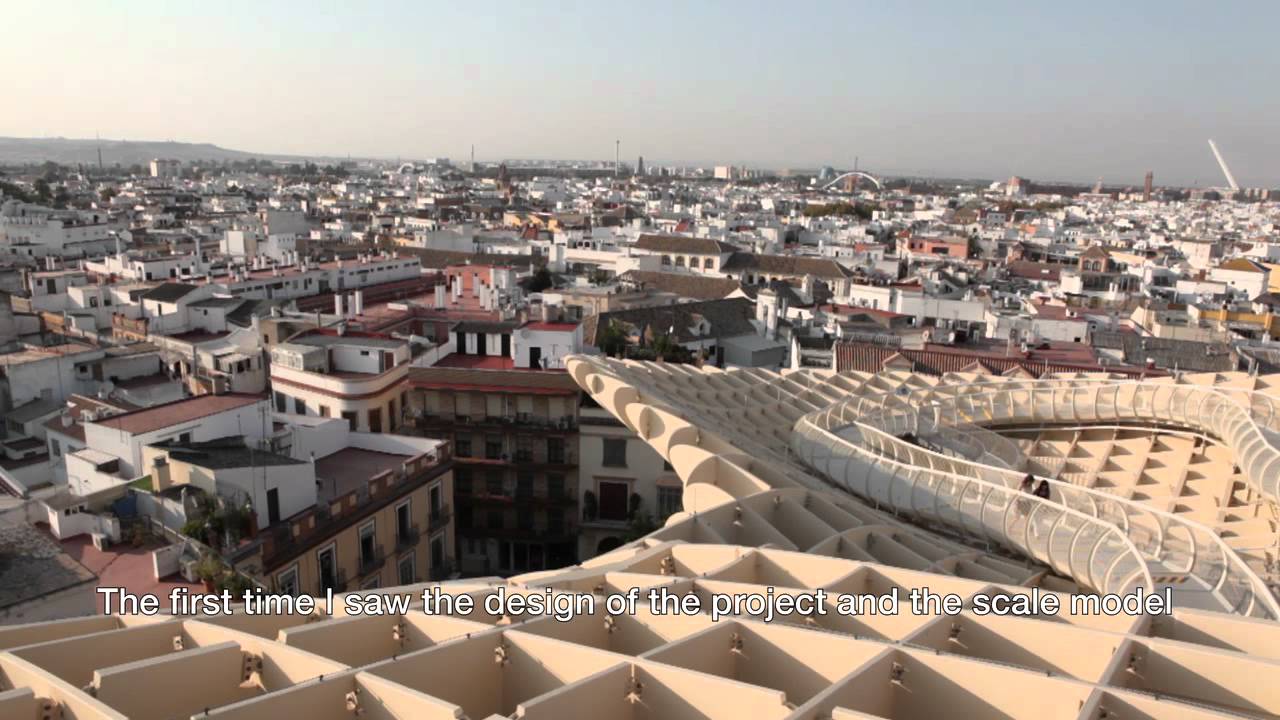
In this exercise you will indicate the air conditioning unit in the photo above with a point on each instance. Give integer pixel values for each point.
(100, 541)
(189, 572)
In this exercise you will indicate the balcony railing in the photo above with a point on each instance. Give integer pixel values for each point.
(372, 560)
(439, 518)
(444, 571)
(337, 583)
(285, 541)
(521, 421)
(407, 537)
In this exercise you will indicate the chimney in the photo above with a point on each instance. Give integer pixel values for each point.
(337, 304)
(359, 298)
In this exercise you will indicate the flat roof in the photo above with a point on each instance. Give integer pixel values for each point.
(348, 469)
(178, 411)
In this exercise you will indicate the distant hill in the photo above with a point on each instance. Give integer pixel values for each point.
(70, 151)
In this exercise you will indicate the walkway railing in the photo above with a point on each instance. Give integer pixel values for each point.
(1169, 543)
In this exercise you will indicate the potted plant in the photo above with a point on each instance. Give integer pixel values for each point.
(210, 570)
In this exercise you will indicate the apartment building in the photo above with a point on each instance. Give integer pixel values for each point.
(515, 439)
(342, 374)
(381, 514)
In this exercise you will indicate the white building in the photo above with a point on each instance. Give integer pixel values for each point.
(356, 376)
(165, 168)
(115, 445)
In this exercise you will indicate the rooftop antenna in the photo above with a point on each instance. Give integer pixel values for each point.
(617, 157)
(1231, 181)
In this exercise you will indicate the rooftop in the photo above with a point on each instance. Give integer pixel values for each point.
(173, 413)
(169, 292)
(350, 468)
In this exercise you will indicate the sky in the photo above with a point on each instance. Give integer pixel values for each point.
(1049, 91)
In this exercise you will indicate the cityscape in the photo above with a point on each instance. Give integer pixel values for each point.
(345, 426)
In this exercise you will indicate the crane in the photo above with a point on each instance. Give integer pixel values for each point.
(1231, 181)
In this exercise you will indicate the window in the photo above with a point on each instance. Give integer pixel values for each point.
(555, 450)
(524, 448)
(368, 545)
(287, 581)
(524, 518)
(615, 452)
(524, 485)
(614, 498)
(666, 466)
(494, 520)
(669, 501)
(493, 483)
(405, 570)
(493, 447)
(462, 447)
(280, 401)
(55, 448)
(327, 562)
(350, 417)
(462, 481)
(434, 502)
(324, 411)
(404, 523)
(372, 583)
(299, 407)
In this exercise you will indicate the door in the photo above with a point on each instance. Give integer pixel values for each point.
(273, 506)
(535, 358)
(460, 339)
(375, 420)
(506, 345)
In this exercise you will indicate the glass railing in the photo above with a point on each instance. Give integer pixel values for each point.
(1094, 553)
(1169, 544)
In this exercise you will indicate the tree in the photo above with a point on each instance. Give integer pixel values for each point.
(108, 194)
(665, 347)
(541, 280)
(9, 190)
(613, 339)
(43, 192)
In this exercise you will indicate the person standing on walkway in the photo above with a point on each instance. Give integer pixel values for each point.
(1042, 490)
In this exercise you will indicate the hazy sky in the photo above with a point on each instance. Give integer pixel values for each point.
(1068, 90)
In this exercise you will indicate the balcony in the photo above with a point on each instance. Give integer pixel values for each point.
(486, 497)
(524, 422)
(337, 583)
(372, 560)
(530, 460)
(407, 537)
(560, 533)
(442, 572)
(439, 518)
